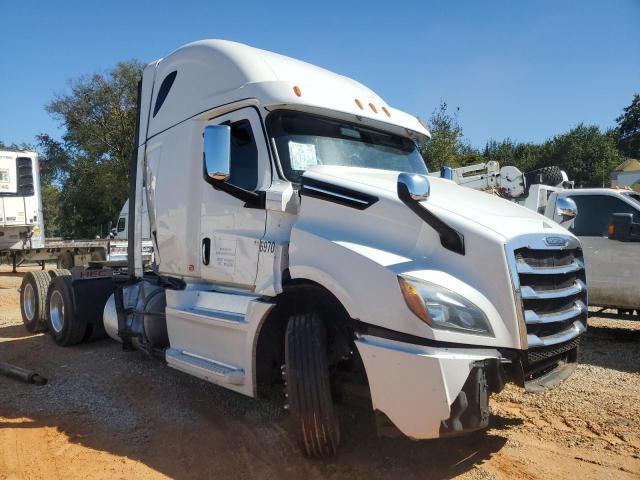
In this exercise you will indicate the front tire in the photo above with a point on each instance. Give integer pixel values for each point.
(33, 300)
(313, 419)
(65, 326)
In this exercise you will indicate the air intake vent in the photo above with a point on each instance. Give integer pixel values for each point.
(25, 176)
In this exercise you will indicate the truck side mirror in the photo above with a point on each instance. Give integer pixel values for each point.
(566, 211)
(217, 153)
(446, 172)
(416, 186)
(623, 228)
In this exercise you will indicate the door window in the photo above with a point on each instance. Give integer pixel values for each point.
(244, 156)
(594, 214)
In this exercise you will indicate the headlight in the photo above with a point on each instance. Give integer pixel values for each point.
(443, 309)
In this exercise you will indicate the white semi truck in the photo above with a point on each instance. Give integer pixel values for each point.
(300, 240)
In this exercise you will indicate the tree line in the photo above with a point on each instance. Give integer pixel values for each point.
(587, 153)
(84, 174)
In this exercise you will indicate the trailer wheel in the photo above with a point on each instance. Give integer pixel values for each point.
(308, 387)
(65, 326)
(33, 300)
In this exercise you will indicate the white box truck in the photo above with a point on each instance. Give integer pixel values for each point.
(298, 239)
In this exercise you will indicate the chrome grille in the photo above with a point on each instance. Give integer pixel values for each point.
(553, 293)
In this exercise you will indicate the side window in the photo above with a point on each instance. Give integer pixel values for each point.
(594, 214)
(121, 224)
(244, 156)
(166, 85)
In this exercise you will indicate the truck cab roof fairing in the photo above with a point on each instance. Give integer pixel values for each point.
(268, 77)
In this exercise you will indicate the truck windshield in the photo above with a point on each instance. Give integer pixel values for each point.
(304, 140)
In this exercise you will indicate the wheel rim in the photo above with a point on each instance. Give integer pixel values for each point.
(56, 311)
(29, 301)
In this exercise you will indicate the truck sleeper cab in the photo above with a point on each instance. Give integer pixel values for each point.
(298, 240)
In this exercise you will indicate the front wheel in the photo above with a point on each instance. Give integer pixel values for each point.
(308, 386)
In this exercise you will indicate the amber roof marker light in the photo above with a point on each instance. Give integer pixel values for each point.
(373, 108)
(359, 104)
(297, 91)
(386, 111)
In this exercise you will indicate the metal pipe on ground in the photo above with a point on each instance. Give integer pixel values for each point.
(22, 374)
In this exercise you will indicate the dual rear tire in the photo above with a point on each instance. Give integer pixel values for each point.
(47, 303)
(33, 300)
(65, 327)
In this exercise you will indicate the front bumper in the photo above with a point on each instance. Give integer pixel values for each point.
(430, 392)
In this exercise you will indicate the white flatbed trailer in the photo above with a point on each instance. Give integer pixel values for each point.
(66, 253)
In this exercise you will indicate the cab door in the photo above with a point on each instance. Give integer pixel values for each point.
(230, 228)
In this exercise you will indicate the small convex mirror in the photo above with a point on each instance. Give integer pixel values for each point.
(217, 152)
(416, 186)
(566, 211)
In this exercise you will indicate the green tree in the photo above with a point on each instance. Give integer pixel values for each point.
(55, 167)
(628, 130)
(446, 146)
(89, 166)
(14, 146)
(585, 153)
(525, 156)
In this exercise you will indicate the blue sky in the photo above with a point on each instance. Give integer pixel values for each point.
(525, 70)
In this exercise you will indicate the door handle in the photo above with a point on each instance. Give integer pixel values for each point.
(206, 250)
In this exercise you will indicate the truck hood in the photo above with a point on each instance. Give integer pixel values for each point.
(505, 218)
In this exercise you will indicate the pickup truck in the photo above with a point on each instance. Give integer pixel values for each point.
(608, 226)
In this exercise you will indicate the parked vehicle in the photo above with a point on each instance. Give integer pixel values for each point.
(21, 222)
(121, 230)
(22, 235)
(299, 239)
(612, 255)
(119, 235)
(608, 226)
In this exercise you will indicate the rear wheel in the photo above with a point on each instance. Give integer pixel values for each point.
(33, 299)
(59, 272)
(65, 326)
(313, 419)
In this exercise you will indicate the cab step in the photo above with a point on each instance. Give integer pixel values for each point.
(204, 368)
